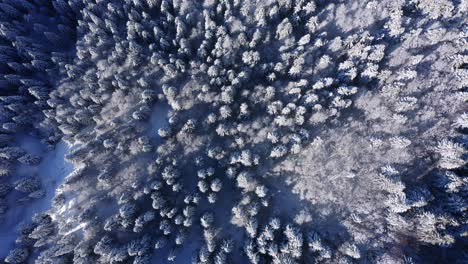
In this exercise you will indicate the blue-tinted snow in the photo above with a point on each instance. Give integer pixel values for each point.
(52, 170)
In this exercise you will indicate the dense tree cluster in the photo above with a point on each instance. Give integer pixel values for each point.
(36, 42)
(179, 110)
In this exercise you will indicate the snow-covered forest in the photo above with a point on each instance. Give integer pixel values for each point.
(234, 131)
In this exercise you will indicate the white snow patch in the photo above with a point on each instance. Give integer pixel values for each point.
(78, 227)
(66, 209)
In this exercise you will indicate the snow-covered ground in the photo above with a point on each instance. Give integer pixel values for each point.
(157, 120)
(52, 170)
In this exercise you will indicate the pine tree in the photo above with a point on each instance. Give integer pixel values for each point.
(17, 255)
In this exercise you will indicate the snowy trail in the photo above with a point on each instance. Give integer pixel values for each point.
(52, 170)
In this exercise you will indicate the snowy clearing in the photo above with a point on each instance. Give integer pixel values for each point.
(52, 170)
